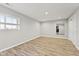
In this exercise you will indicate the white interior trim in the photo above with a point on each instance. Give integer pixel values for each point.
(77, 47)
(62, 37)
(19, 43)
(58, 36)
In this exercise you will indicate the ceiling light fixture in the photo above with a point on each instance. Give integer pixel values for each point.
(46, 13)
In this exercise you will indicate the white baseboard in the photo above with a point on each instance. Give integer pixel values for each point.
(75, 44)
(19, 43)
(77, 47)
(35, 38)
(62, 37)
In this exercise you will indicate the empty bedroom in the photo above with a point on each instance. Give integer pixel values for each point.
(39, 29)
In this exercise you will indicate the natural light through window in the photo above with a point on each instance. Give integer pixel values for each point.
(9, 22)
(2, 19)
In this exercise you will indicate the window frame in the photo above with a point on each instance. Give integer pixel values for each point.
(17, 24)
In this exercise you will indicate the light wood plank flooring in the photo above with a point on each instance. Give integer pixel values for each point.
(43, 46)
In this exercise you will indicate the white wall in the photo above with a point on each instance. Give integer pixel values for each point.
(73, 28)
(29, 29)
(49, 28)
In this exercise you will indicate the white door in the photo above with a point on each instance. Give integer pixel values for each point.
(61, 29)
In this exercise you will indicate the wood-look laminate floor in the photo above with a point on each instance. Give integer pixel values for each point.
(43, 46)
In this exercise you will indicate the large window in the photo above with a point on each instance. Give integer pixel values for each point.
(9, 22)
